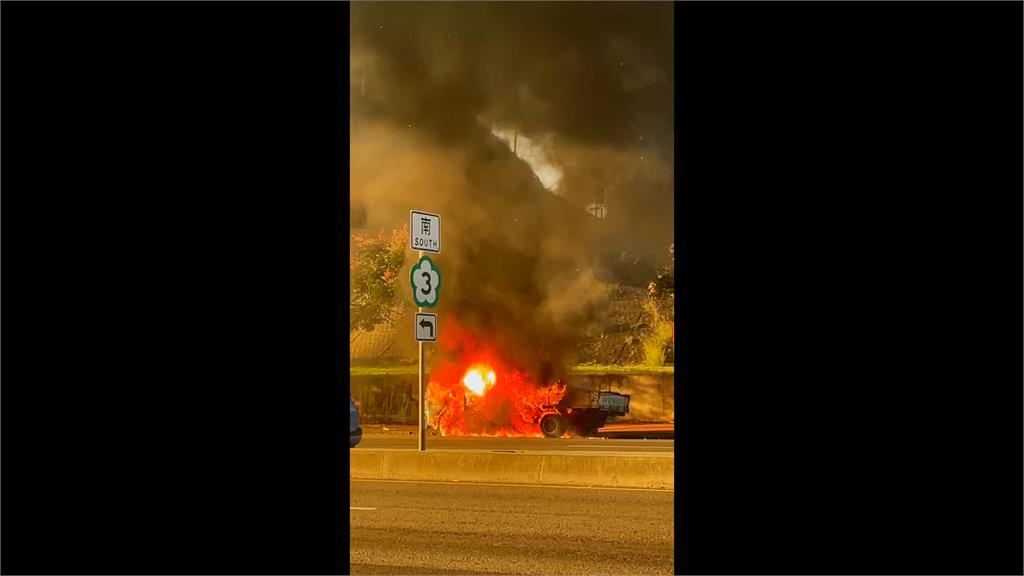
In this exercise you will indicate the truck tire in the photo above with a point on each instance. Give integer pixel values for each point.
(552, 425)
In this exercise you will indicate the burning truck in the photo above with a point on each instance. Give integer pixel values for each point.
(481, 394)
(582, 412)
(486, 402)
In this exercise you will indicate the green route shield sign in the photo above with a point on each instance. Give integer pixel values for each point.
(425, 279)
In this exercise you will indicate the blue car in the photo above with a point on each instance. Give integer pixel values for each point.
(355, 432)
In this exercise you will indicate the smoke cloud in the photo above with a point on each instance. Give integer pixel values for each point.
(441, 92)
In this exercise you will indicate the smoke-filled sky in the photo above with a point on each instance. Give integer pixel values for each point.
(584, 91)
(592, 83)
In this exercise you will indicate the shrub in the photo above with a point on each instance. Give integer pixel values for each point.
(658, 336)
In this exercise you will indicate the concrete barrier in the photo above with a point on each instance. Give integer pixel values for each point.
(365, 464)
(536, 468)
(611, 471)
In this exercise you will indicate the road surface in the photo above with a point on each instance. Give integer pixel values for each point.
(396, 441)
(443, 528)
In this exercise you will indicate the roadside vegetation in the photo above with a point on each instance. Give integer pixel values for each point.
(657, 342)
(374, 264)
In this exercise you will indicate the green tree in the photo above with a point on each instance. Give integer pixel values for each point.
(374, 264)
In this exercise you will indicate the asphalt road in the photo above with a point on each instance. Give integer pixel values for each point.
(397, 441)
(440, 528)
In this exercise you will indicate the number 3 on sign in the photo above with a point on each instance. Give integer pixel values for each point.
(425, 279)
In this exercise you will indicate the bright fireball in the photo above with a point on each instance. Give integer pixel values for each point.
(476, 380)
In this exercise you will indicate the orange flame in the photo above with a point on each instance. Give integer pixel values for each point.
(467, 398)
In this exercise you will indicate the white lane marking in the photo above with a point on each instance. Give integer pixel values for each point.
(359, 508)
(366, 481)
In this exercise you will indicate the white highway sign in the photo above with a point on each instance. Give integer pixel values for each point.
(425, 231)
(426, 327)
(425, 280)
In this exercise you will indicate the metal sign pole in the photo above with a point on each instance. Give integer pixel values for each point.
(422, 443)
(425, 282)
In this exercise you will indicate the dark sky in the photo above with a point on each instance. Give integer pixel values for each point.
(589, 83)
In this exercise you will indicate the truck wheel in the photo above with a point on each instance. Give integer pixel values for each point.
(552, 425)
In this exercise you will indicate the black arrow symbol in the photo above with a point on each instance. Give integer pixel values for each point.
(427, 324)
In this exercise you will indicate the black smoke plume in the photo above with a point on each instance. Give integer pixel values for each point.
(589, 85)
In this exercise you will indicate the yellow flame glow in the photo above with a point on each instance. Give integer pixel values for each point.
(475, 380)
